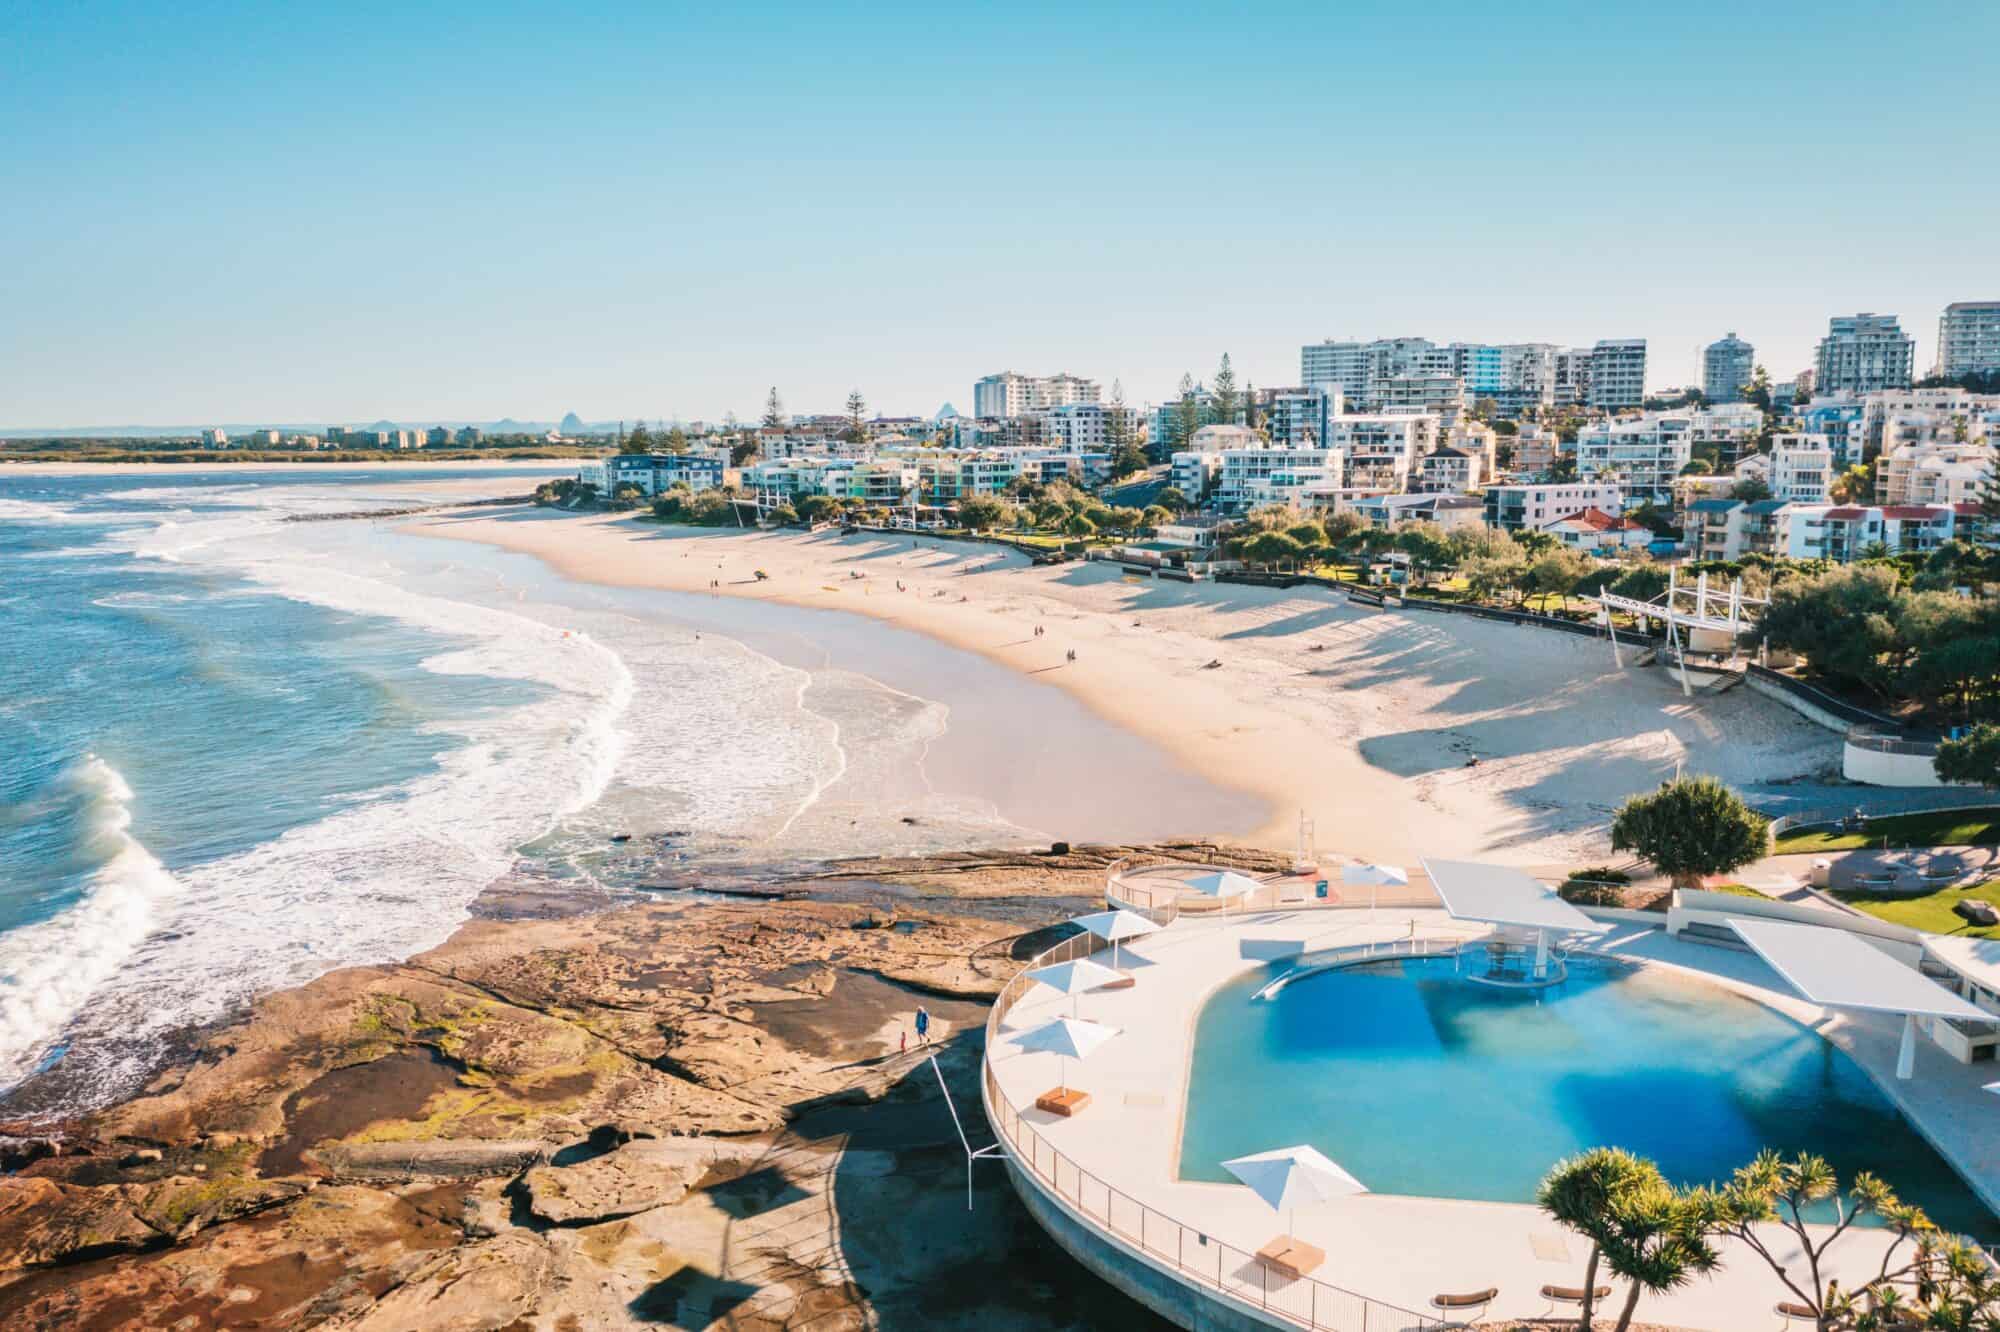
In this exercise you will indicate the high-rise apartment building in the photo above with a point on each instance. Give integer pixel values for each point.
(1969, 338)
(1010, 394)
(1865, 353)
(1618, 374)
(1726, 366)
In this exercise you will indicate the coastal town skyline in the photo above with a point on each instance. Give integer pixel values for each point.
(626, 248)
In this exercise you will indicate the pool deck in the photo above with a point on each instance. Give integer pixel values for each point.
(1404, 1250)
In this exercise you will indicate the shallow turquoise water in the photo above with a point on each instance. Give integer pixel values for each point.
(1421, 1083)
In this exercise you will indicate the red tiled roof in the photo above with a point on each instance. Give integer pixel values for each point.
(1597, 520)
(1847, 513)
(1907, 511)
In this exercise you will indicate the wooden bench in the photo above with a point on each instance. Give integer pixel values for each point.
(1126, 980)
(1064, 1101)
(1290, 1257)
(1471, 1301)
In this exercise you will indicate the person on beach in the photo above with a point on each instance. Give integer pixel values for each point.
(923, 1025)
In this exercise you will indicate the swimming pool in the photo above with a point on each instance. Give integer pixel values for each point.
(1420, 1082)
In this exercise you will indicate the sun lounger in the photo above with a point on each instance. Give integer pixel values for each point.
(1064, 1101)
(1573, 1294)
(1290, 1257)
(1471, 1303)
(1791, 1313)
(1126, 980)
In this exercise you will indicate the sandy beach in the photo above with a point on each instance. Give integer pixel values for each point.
(1361, 720)
(222, 462)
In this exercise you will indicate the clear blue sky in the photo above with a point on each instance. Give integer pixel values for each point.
(343, 212)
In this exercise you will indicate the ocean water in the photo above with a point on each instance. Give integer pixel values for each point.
(1420, 1082)
(237, 751)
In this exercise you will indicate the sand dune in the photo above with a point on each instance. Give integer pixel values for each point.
(1361, 719)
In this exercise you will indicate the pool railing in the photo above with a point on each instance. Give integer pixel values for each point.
(1188, 1252)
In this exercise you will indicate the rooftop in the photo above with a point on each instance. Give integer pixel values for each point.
(1836, 969)
(1498, 895)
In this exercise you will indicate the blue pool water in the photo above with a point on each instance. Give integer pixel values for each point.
(1420, 1082)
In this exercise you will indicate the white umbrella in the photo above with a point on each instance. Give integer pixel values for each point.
(1115, 925)
(1066, 1038)
(1073, 978)
(1293, 1175)
(1223, 884)
(1374, 876)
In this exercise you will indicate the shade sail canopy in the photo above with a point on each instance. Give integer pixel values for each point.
(1377, 875)
(1071, 1038)
(1836, 969)
(1497, 895)
(1223, 883)
(1976, 959)
(1293, 1177)
(1075, 977)
(1116, 925)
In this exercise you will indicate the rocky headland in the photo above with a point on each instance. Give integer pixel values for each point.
(680, 1111)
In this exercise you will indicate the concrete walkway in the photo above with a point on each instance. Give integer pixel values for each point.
(1404, 1250)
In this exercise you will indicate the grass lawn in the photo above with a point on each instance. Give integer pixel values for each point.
(1958, 827)
(1734, 889)
(1930, 912)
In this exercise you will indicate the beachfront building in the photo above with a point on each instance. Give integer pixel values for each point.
(1724, 528)
(1011, 394)
(1450, 512)
(1596, 532)
(652, 473)
(1644, 455)
(1452, 471)
(1969, 338)
(1726, 367)
(1382, 451)
(1864, 353)
(1617, 374)
(1801, 468)
(1848, 532)
(1531, 507)
(1260, 473)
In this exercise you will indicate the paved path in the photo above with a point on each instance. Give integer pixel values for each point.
(1402, 1250)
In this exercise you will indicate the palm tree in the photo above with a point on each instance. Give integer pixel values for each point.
(1660, 1237)
(1580, 1192)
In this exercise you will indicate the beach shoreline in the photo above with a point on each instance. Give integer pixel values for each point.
(222, 462)
(1362, 721)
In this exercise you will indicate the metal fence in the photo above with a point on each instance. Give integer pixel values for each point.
(1819, 698)
(1192, 1254)
(1863, 737)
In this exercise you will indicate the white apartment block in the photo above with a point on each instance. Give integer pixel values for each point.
(1382, 450)
(1514, 507)
(1728, 430)
(1441, 395)
(1645, 454)
(1618, 374)
(1085, 427)
(1969, 338)
(1864, 353)
(1801, 468)
(1572, 382)
(1536, 449)
(1726, 366)
(1010, 394)
(1266, 474)
(1339, 365)
(1846, 533)
(1451, 471)
(1927, 416)
(1191, 473)
(1934, 473)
